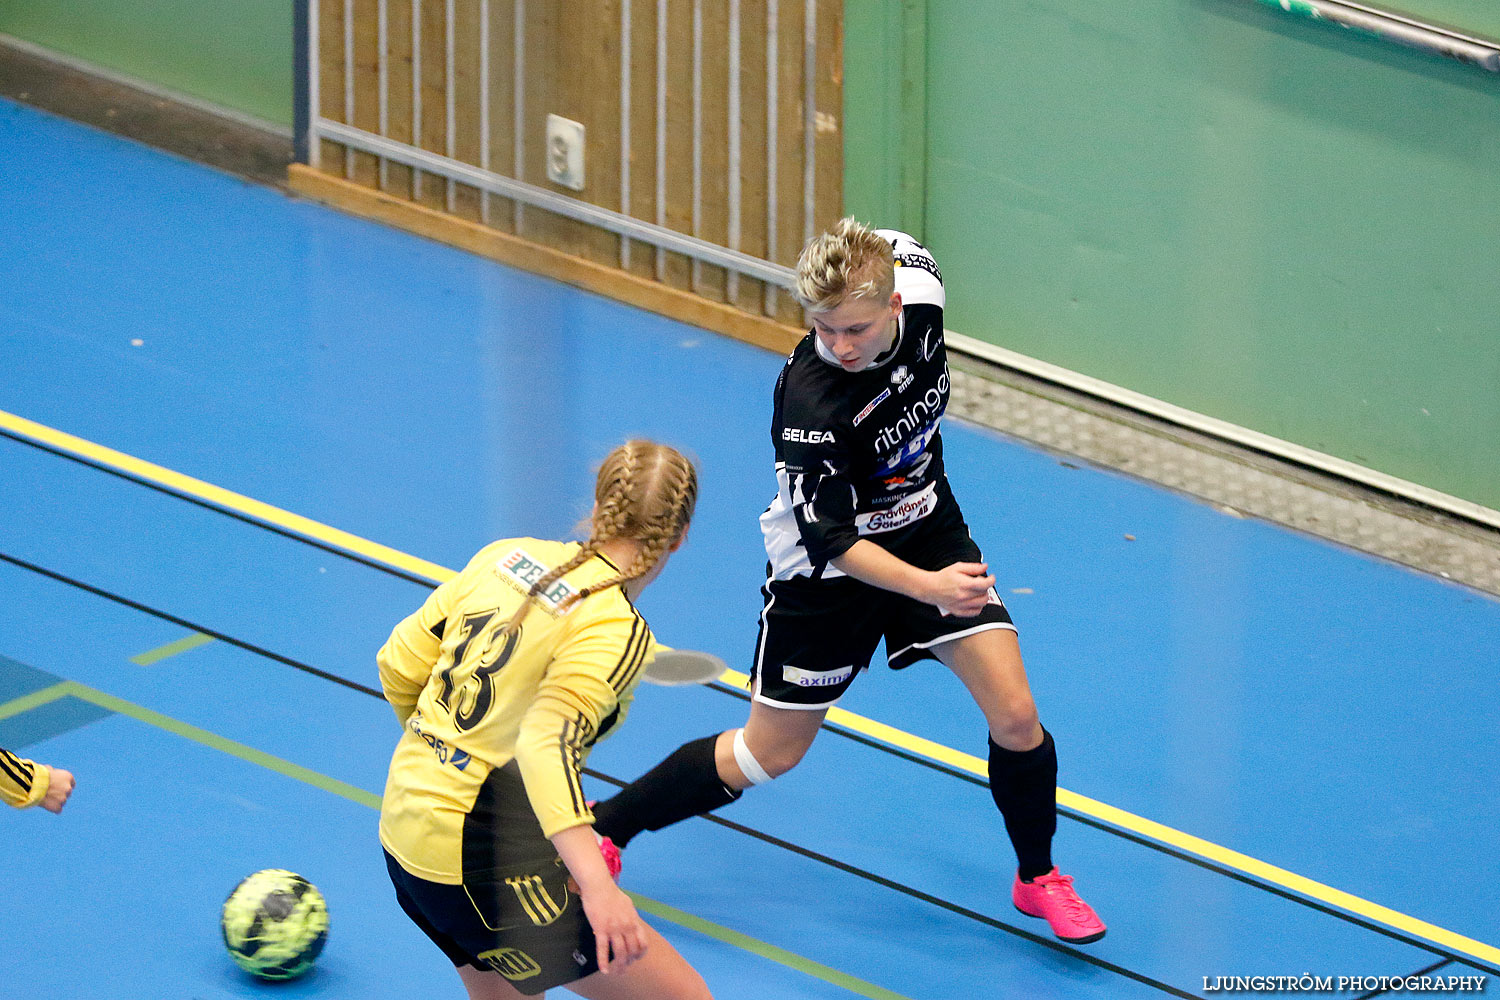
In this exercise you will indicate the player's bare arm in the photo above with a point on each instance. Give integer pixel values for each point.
(961, 589)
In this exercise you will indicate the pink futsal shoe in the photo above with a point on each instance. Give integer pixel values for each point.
(1052, 897)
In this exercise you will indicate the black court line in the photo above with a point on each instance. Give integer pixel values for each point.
(1147, 842)
(619, 783)
(1207, 865)
(164, 616)
(255, 522)
(925, 897)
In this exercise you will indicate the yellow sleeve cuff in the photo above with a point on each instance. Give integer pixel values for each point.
(41, 780)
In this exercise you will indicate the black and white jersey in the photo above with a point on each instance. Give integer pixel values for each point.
(858, 454)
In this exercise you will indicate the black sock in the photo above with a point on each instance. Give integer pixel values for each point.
(1024, 786)
(685, 784)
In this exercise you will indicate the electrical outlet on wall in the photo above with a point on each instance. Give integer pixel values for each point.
(565, 152)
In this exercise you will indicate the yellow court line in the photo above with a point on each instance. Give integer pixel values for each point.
(171, 649)
(354, 793)
(218, 495)
(36, 699)
(869, 727)
(1166, 835)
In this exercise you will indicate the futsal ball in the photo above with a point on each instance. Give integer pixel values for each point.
(275, 923)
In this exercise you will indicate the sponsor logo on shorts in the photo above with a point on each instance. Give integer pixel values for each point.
(803, 436)
(512, 963)
(907, 510)
(816, 678)
(523, 569)
(870, 406)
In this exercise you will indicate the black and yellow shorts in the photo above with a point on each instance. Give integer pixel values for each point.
(527, 926)
(515, 912)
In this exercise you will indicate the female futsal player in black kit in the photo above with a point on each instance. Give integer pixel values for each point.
(866, 541)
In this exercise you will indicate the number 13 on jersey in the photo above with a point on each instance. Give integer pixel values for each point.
(468, 688)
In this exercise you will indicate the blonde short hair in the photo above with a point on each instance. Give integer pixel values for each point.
(849, 261)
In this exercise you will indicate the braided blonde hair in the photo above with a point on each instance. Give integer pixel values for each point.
(850, 261)
(646, 492)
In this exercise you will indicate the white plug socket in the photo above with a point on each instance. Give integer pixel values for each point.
(565, 152)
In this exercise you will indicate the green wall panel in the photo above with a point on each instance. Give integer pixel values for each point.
(885, 112)
(237, 54)
(872, 104)
(1256, 217)
(1477, 17)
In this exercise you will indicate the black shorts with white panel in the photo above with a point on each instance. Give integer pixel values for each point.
(816, 635)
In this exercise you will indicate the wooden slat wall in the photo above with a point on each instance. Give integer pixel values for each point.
(572, 65)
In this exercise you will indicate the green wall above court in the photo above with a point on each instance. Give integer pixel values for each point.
(1475, 17)
(1257, 217)
(237, 55)
(1254, 216)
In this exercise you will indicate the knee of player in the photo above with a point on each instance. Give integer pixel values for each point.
(783, 759)
(766, 763)
(1014, 720)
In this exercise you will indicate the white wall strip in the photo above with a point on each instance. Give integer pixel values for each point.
(450, 116)
(484, 104)
(416, 91)
(314, 95)
(732, 280)
(773, 129)
(1222, 429)
(348, 79)
(625, 62)
(1398, 28)
(809, 118)
(520, 104)
(697, 278)
(383, 80)
(661, 132)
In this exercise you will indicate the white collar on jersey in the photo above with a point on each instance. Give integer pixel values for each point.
(828, 356)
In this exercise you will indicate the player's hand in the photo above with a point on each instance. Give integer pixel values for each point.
(59, 787)
(962, 589)
(618, 929)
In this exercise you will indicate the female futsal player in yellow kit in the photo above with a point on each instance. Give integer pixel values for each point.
(503, 680)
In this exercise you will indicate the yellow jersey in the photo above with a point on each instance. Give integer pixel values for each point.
(473, 702)
(22, 782)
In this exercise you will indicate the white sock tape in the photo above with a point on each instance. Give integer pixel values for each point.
(749, 766)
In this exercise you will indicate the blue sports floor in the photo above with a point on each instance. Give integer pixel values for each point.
(1278, 756)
